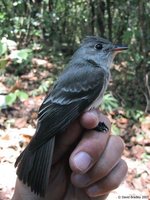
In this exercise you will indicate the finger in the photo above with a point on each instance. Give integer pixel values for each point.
(110, 182)
(110, 157)
(88, 151)
(73, 133)
(90, 119)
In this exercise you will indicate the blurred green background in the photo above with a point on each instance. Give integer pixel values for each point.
(38, 37)
(52, 30)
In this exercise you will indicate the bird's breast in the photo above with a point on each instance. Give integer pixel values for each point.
(96, 103)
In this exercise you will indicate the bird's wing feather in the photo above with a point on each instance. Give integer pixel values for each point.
(69, 98)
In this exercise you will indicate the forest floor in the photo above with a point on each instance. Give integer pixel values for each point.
(18, 122)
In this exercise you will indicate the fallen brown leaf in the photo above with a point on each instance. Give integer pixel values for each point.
(20, 122)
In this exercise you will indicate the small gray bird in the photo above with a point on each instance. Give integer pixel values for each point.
(80, 87)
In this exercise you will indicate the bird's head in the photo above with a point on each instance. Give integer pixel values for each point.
(98, 51)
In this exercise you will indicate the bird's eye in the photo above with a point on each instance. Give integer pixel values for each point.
(98, 46)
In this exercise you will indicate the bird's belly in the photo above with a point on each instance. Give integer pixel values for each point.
(96, 103)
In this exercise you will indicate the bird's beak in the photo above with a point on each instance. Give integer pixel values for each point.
(119, 48)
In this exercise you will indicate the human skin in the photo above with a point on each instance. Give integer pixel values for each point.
(87, 164)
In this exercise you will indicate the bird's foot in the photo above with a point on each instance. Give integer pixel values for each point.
(101, 127)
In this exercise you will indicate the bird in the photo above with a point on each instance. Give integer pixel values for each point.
(79, 88)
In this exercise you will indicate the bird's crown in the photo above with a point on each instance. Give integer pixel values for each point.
(95, 39)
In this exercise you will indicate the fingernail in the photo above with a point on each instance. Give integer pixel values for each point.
(82, 161)
(93, 190)
(81, 180)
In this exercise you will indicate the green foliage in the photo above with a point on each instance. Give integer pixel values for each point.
(3, 48)
(109, 103)
(20, 56)
(3, 52)
(134, 114)
(146, 157)
(115, 130)
(21, 60)
(43, 88)
(3, 63)
(14, 96)
(54, 27)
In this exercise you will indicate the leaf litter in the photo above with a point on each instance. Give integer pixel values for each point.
(18, 123)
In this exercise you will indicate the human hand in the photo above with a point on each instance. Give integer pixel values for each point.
(92, 160)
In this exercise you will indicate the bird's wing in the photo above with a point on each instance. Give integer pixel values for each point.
(73, 93)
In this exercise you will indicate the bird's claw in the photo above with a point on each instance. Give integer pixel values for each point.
(101, 127)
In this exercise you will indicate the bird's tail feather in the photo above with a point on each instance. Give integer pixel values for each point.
(34, 167)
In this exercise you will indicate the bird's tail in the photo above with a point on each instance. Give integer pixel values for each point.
(34, 167)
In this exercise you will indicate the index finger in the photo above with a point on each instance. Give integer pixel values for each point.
(90, 147)
(90, 119)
